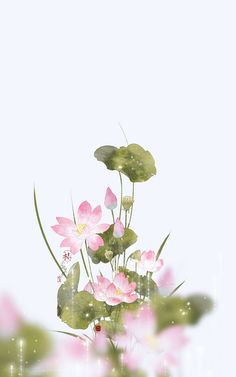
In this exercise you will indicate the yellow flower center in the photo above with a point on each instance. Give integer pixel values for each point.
(80, 228)
(151, 340)
(118, 292)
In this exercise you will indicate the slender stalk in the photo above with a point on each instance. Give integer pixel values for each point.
(113, 216)
(121, 193)
(67, 333)
(131, 213)
(85, 267)
(90, 269)
(44, 236)
(73, 210)
(111, 266)
(176, 289)
(126, 218)
(122, 129)
(124, 259)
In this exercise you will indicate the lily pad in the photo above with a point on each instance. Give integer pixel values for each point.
(83, 309)
(133, 161)
(36, 345)
(116, 245)
(177, 310)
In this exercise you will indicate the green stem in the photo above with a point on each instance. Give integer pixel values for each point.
(44, 236)
(121, 193)
(131, 213)
(113, 216)
(111, 266)
(85, 267)
(90, 269)
(124, 259)
(126, 218)
(176, 289)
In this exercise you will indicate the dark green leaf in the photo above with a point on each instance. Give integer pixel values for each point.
(116, 245)
(83, 309)
(133, 161)
(68, 289)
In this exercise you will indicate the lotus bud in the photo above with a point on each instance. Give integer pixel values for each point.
(127, 202)
(109, 254)
(119, 229)
(110, 199)
(136, 255)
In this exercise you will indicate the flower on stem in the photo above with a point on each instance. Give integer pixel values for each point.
(119, 229)
(148, 262)
(165, 281)
(141, 338)
(113, 293)
(85, 229)
(127, 202)
(110, 200)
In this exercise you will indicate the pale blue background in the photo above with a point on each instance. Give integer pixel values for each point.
(69, 72)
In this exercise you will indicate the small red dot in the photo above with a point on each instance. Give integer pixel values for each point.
(98, 328)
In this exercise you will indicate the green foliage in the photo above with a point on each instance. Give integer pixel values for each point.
(68, 289)
(116, 245)
(136, 255)
(177, 310)
(83, 309)
(35, 344)
(133, 161)
(145, 286)
(78, 309)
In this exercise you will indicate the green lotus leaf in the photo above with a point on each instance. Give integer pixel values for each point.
(177, 310)
(68, 289)
(83, 309)
(133, 161)
(200, 305)
(34, 341)
(116, 245)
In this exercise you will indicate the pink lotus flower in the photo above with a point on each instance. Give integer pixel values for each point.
(85, 229)
(113, 293)
(165, 281)
(10, 319)
(146, 350)
(119, 229)
(110, 199)
(148, 262)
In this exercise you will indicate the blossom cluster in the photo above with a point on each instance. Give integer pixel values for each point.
(133, 315)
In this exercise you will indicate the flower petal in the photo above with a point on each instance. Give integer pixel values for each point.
(101, 228)
(65, 227)
(130, 298)
(84, 212)
(65, 221)
(121, 281)
(96, 215)
(113, 301)
(103, 282)
(73, 243)
(89, 287)
(95, 241)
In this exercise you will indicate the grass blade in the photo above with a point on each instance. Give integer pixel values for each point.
(174, 290)
(162, 246)
(44, 236)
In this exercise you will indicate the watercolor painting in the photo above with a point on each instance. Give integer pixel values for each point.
(117, 200)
